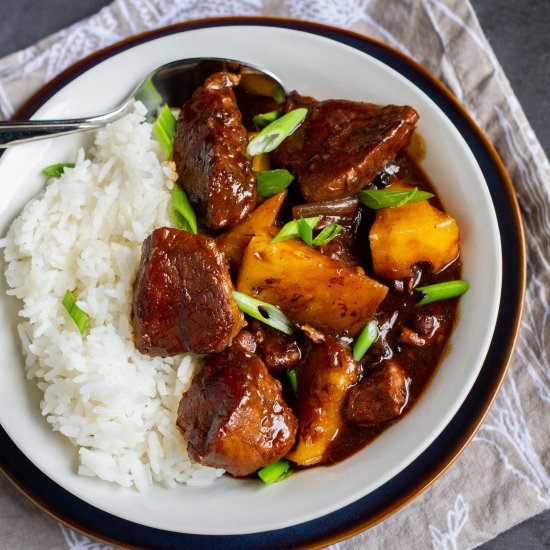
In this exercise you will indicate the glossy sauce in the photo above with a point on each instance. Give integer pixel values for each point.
(397, 310)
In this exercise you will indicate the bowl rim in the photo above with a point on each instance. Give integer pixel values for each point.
(81, 66)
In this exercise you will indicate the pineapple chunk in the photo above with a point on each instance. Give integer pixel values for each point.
(310, 288)
(233, 241)
(261, 162)
(324, 378)
(403, 236)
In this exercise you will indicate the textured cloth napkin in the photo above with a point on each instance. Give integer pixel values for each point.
(503, 477)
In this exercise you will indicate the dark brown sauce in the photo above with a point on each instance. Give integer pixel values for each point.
(397, 310)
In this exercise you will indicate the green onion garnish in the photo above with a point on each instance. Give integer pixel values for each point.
(291, 229)
(367, 337)
(264, 119)
(165, 129)
(55, 170)
(273, 472)
(306, 231)
(267, 313)
(149, 95)
(442, 291)
(182, 212)
(80, 318)
(303, 228)
(270, 182)
(292, 378)
(273, 134)
(385, 198)
(327, 234)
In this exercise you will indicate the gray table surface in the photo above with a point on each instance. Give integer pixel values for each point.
(519, 33)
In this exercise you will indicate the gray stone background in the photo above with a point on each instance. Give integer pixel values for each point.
(518, 30)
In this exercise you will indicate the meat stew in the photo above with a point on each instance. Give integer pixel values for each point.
(301, 394)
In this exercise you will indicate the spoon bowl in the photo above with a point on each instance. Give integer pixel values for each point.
(172, 84)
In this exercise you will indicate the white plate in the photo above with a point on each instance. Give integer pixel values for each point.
(325, 69)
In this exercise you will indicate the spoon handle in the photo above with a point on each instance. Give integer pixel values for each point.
(15, 132)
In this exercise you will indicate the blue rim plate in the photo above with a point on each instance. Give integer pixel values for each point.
(400, 490)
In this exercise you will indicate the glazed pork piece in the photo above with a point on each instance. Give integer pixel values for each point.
(182, 296)
(233, 416)
(278, 351)
(342, 145)
(210, 154)
(379, 397)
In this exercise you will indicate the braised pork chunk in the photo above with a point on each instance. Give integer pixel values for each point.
(182, 296)
(342, 145)
(233, 416)
(379, 397)
(210, 157)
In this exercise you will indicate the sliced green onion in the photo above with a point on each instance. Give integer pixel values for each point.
(442, 291)
(267, 313)
(149, 96)
(273, 134)
(182, 212)
(303, 228)
(292, 378)
(327, 234)
(270, 182)
(55, 170)
(165, 130)
(273, 472)
(386, 198)
(291, 229)
(306, 231)
(80, 318)
(285, 475)
(264, 119)
(367, 337)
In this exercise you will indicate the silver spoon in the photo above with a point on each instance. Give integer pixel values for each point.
(172, 83)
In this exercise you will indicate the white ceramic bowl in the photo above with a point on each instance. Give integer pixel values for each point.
(325, 69)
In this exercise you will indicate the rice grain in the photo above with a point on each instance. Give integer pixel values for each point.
(84, 233)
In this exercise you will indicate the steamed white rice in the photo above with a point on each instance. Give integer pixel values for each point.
(84, 233)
